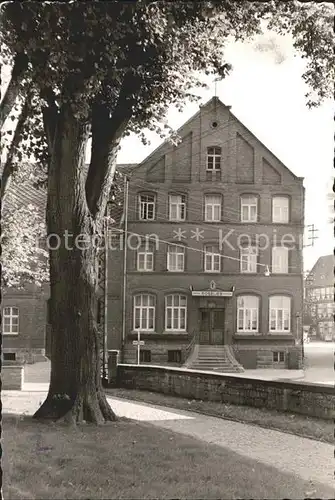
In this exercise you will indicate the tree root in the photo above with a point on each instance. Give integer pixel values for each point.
(90, 408)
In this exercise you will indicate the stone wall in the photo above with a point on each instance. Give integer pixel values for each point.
(307, 399)
(12, 377)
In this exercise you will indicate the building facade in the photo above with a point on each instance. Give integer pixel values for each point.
(24, 324)
(319, 299)
(210, 250)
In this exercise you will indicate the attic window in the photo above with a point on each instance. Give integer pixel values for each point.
(214, 124)
(214, 158)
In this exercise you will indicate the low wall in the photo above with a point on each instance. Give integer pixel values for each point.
(12, 377)
(314, 400)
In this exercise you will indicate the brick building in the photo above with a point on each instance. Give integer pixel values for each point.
(213, 273)
(319, 299)
(24, 309)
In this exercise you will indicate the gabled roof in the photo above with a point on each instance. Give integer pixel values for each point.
(322, 273)
(216, 100)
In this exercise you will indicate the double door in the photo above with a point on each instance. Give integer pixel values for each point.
(212, 326)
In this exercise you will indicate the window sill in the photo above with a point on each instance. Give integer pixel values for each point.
(10, 334)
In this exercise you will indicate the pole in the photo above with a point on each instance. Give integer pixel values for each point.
(125, 245)
(301, 335)
(138, 346)
(105, 332)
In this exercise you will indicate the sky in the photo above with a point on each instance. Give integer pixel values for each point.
(267, 93)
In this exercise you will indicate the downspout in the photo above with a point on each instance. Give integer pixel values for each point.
(124, 285)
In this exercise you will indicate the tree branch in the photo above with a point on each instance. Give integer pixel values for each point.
(9, 167)
(8, 101)
(50, 114)
(106, 135)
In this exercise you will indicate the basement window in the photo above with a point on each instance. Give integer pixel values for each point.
(9, 356)
(174, 356)
(279, 357)
(145, 356)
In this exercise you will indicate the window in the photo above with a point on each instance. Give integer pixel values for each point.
(280, 260)
(280, 314)
(145, 258)
(147, 206)
(175, 258)
(175, 312)
(247, 313)
(213, 208)
(177, 207)
(329, 292)
(278, 356)
(280, 209)
(212, 259)
(248, 262)
(214, 158)
(10, 321)
(249, 208)
(145, 356)
(174, 356)
(144, 312)
(9, 356)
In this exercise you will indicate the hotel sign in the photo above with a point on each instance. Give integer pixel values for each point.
(211, 293)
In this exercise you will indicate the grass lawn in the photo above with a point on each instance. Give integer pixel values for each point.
(315, 428)
(128, 460)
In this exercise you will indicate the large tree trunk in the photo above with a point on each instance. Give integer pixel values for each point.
(75, 392)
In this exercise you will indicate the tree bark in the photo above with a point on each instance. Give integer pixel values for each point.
(75, 392)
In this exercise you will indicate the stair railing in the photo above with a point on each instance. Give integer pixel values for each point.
(188, 349)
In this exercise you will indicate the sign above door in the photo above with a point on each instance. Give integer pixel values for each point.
(212, 291)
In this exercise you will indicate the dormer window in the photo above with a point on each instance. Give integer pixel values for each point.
(213, 158)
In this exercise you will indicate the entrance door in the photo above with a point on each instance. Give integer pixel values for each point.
(212, 326)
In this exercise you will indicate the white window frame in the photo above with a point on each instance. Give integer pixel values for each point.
(280, 213)
(178, 312)
(10, 320)
(247, 313)
(277, 354)
(146, 253)
(146, 306)
(175, 258)
(249, 259)
(213, 207)
(213, 161)
(251, 203)
(280, 259)
(280, 314)
(145, 205)
(213, 258)
(178, 203)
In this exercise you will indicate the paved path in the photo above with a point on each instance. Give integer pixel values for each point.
(303, 458)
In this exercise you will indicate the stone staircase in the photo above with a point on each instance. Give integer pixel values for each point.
(219, 358)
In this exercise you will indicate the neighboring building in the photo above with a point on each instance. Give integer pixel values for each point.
(319, 299)
(199, 286)
(24, 309)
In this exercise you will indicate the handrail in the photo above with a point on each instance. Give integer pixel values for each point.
(190, 346)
